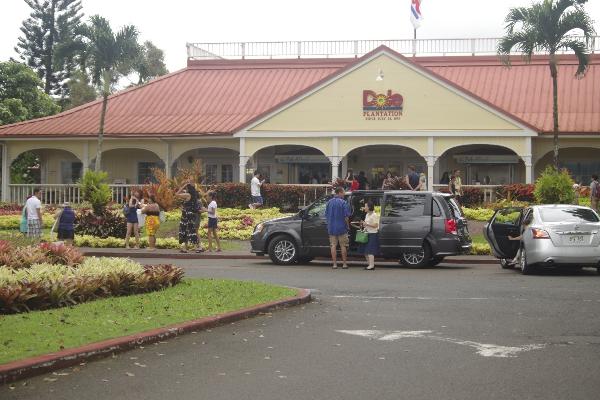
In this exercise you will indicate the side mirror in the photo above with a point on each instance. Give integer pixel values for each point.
(303, 213)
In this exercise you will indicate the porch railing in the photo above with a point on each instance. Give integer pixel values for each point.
(349, 48)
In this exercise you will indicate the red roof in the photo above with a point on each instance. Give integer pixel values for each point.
(217, 97)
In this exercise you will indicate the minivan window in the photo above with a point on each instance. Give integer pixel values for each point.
(568, 214)
(404, 205)
(437, 211)
(454, 207)
(318, 207)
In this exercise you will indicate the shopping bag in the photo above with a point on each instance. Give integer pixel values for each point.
(362, 237)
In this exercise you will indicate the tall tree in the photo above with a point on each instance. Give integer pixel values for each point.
(80, 90)
(150, 63)
(108, 55)
(21, 96)
(549, 26)
(52, 23)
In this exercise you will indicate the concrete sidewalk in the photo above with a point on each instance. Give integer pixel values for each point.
(235, 255)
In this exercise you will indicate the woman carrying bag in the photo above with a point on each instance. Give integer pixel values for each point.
(369, 246)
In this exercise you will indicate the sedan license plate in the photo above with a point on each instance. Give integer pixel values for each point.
(576, 239)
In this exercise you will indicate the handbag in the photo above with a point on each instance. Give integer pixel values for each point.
(362, 237)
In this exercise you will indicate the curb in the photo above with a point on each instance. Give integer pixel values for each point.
(38, 365)
(204, 256)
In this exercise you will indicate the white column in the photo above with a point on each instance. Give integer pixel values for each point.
(5, 174)
(243, 163)
(528, 169)
(86, 156)
(430, 164)
(335, 163)
(168, 161)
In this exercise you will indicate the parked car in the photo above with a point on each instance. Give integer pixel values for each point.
(552, 236)
(418, 228)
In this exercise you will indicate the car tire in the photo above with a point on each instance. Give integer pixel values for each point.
(283, 250)
(436, 260)
(526, 268)
(419, 259)
(505, 263)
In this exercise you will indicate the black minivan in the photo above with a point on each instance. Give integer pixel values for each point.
(418, 228)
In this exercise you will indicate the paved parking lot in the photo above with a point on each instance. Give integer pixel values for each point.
(453, 332)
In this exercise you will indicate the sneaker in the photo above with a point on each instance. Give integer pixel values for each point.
(344, 266)
(334, 267)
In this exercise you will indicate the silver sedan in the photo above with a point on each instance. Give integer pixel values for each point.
(545, 236)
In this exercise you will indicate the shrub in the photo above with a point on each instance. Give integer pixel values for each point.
(554, 187)
(518, 191)
(110, 223)
(95, 190)
(8, 222)
(471, 197)
(58, 253)
(14, 257)
(46, 286)
(477, 214)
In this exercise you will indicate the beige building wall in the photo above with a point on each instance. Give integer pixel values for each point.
(428, 105)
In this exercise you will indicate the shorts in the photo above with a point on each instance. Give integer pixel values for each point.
(212, 223)
(341, 239)
(64, 234)
(257, 200)
(34, 228)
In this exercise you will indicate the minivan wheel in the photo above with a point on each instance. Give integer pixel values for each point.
(526, 268)
(283, 250)
(417, 259)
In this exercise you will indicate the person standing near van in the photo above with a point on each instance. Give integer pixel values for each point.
(255, 185)
(594, 192)
(34, 215)
(65, 222)
(458, 184)
(337, 213)
(370, 225)
(412, 179)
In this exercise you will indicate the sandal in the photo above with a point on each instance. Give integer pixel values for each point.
(199, 250)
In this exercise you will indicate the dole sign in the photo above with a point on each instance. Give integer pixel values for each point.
(379, 106)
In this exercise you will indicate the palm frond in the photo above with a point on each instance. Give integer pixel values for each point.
(575, 20)
(517, 15)
(580, 50)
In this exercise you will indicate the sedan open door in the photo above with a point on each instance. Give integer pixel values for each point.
(504, 223)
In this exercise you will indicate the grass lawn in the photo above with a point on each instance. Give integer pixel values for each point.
(40, 332)
(478, 239)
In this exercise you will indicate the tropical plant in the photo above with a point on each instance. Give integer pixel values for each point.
(47, 44)
(108, 56)
(25, 168)
(549, 26)
(95, 190)
(150, 63)
(554, 187)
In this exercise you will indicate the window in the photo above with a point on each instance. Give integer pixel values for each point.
(318, 207)
(211, 173)
(145, 172)
(454, 207)
(437, 211)
(568, 214)
(227, 173)
(70, 171)
(404, 206)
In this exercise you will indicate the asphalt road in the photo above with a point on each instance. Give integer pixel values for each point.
(473, 332)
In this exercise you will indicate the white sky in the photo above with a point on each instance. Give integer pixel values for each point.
(170, 24)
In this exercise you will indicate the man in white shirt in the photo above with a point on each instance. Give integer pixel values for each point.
(255, 184)
(34, 215)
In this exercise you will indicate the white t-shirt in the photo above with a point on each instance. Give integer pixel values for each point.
(33, 204)
(255, 186)
(372, 219)
(212, 209)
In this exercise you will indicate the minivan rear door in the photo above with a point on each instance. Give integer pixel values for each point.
(405, 222)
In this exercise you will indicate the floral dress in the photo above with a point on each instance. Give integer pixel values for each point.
(190, 221)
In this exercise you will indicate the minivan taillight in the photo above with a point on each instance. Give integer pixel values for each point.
(450, 225)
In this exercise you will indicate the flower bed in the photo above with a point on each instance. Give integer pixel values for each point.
(46, 285)
(18, 257)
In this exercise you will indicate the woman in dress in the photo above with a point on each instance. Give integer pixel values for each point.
(371, 225)
(388, 181)
(423, 182)
(190, 217)
(65, 224)
(152, 212)
(133, 226)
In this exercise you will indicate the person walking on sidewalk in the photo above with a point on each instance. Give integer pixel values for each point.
(255, 185)
(370, 225)
(34, 215)
(337, 213)
(212, 222)
(594, 192)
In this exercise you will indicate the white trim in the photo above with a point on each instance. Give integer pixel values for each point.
(79, 138)
(335, 146)
(406, 63)
(5, 174)
(550, 137)
(430, 146)
(423, 134)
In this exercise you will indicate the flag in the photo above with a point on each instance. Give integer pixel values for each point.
(415, 13)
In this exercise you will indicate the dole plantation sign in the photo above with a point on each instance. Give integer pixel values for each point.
(382, 107)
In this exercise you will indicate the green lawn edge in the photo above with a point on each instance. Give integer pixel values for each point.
(41, 332)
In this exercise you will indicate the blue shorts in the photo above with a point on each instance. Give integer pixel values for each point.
(212, 223)
(257, 200)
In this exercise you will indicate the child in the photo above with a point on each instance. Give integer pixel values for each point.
(212, 221)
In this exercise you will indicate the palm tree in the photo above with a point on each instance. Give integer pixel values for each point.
(549, 27)
(108, 56)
